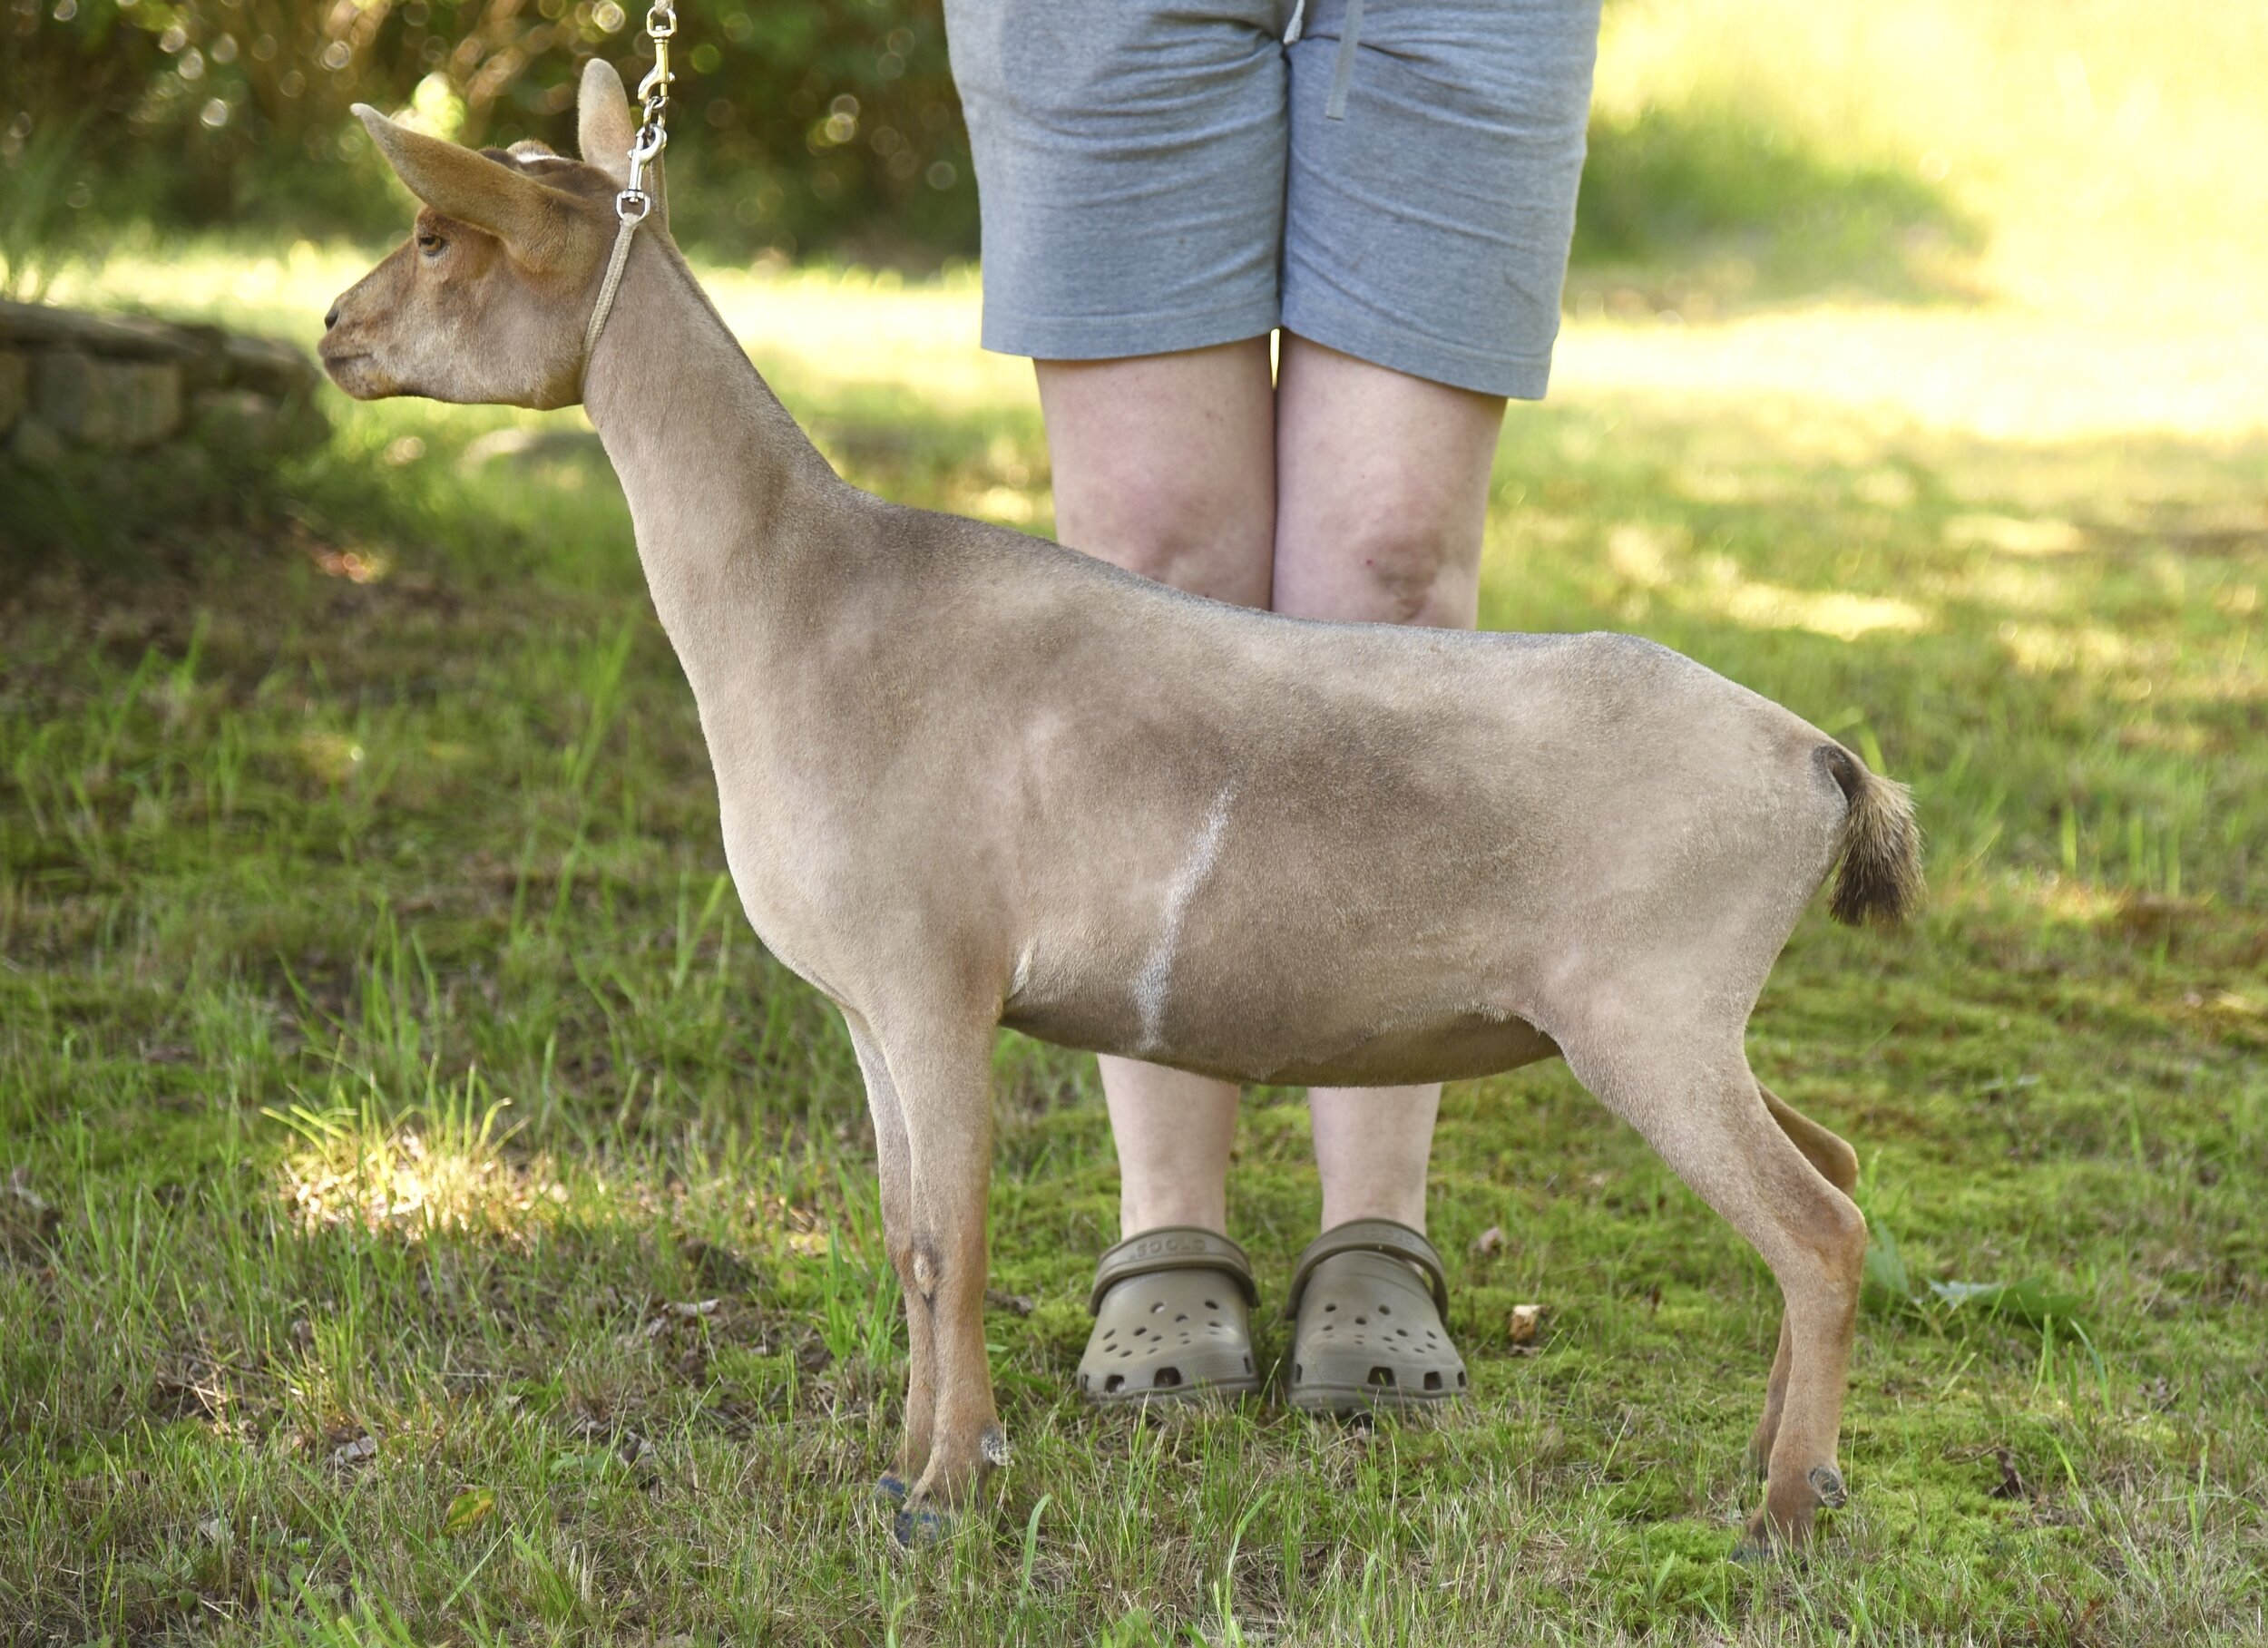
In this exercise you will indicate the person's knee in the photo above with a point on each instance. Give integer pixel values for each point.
(1193, 559)
(1183, 536)
(1389, 567)
(1165, 465)
(1414, 575)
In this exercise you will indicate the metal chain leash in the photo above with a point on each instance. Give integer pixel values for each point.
(632, 204)
(653, 109)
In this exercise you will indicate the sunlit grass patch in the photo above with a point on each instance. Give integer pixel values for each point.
(2105, 147)
(415, 1171)
(1846, 617)
(1643, 556)
(2014, 535)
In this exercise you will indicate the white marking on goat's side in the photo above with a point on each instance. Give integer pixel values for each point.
(1149, 984)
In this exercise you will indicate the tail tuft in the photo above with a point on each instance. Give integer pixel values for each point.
(1880, 850)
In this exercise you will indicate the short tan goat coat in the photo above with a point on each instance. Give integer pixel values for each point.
(970, 778)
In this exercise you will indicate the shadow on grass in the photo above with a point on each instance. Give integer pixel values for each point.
(1741, 211)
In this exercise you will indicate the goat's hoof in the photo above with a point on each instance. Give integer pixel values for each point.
(953, 1475)
(917, 1527)
(1752, 1552)
(892, 1487)
(1779, 1529)
(1827, 1483)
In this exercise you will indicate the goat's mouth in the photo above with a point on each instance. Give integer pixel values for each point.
(353, 371)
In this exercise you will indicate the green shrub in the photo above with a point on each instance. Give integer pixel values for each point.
(805, 127)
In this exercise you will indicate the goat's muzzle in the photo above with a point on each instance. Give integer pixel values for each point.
(350, 368)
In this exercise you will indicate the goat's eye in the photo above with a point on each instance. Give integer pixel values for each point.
(430, 243)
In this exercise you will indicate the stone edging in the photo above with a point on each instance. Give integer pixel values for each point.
(123, 383)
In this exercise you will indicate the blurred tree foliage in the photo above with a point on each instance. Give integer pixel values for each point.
(803, 125)
(827, 127)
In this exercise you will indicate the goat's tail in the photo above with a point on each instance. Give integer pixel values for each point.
(1879, 848)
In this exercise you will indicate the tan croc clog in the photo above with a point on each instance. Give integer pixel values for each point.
(1173, 1319)
(1370, 1296)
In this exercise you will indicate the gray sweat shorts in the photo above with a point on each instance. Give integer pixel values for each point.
(1398, 183)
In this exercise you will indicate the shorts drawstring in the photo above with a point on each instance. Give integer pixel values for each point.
(1342, 66)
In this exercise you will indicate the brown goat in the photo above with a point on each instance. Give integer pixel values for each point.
(970, 778)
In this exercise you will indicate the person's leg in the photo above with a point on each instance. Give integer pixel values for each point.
(1381, 498)
(1444, 141)
(1130, 158)
(1165, 465)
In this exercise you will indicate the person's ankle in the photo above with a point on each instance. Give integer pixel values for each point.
(1402, 1214)
(1161, 1215)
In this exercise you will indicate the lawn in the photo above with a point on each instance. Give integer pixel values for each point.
(427, 1215)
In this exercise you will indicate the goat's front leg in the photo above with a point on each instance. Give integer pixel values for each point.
(893, 1161)
(940, 1067)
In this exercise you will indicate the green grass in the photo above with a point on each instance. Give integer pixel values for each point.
(383, 1055)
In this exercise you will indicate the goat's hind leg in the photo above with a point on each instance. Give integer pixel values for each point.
(1837, 1163)
(1693, 1097)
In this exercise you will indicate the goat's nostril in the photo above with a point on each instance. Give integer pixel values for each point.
(331, 319)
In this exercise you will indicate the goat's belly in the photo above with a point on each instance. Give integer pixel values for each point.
(1475, 1044)
(1454, 1046)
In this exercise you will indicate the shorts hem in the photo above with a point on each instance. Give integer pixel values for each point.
(1519, 378)
(1120, 336)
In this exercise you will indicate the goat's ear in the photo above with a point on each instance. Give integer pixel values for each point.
(606, 128)
(536, 221)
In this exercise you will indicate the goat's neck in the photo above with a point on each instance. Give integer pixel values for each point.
(731, 503)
